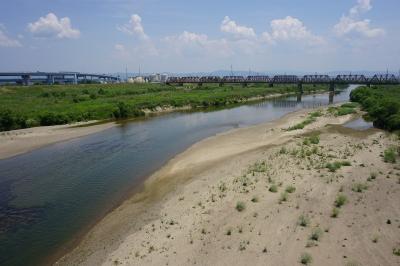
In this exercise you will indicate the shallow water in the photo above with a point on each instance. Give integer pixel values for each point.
(48, 195)
(359, 124)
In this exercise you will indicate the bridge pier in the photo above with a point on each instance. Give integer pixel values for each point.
(331, 94)
(299, 97)
(332, 86)
(300, 88)
(26, 80)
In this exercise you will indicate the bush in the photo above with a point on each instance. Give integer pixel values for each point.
(340, 200)
(359, 187)
(389, 155)
(305, 258)
(240, 206)
(10, 120)
(290, 189)
(335, 213)
(382, 105)
(273, 188)
(303, 220)
(336, 165)
(316, 234)
(49, 119)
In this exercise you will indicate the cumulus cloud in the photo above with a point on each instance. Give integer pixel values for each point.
(5, 40)
(134, 27)
(351, 24)
(193, 43)
(50, 26)
(290, 28)
(230, 26)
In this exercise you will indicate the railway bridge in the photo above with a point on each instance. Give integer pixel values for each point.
(378, 79)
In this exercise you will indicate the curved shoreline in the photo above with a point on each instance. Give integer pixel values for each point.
(184, 167)
(17, 142)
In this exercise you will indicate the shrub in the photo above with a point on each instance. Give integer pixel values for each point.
(49, 119)
(303, 220)
(359, 187)
(254, 199)
(389, 155)
(396, 251)
(283, 197)
(316, 234)
(240, 206)
(305, 258)
(290, 189)
(340, 200)
(332, 167)
(273, 188)
(335, 212)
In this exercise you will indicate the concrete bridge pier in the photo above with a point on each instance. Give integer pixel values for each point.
(300, 88)
(332, 86)
(26, 80)
(331, 94)
(299, 95)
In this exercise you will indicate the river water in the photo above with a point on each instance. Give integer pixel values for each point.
(53, 193)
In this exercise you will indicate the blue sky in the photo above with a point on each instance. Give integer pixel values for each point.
(187, 36)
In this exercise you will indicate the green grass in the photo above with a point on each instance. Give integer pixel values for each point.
(340, 200)
(382, 104)
(389, 155)
(332, 167)
(344, 109)
(290, 189)
(273, 188)
(316, 234)
(359, 187)
(335, 212)
(305, 258)
(22, 107)
(303, 220)
(240, 206)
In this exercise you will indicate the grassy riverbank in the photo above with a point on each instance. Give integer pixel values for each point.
(24, 107)
(382, 103)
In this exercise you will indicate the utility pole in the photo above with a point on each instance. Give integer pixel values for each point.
(126, 73)
(231, 71)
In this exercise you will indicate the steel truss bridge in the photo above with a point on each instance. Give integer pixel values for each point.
(378, 79)
(28, 78)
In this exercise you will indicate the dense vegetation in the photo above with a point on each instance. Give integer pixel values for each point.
(22, 107)
(381, 103)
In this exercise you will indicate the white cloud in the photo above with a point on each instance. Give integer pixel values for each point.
(361, 7)
(119, 48)
(6, 41)
(351, 25)
(197, 44)
(51, 26)
(290, 28)
(230, 26)
(134, 27)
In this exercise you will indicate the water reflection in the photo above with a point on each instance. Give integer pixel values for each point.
(61, 188)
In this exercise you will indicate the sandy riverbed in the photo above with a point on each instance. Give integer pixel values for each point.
(186, 213)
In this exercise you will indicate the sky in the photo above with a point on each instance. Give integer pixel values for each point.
(106, 36)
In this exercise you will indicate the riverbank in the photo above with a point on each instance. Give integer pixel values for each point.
(16, 142)
(213, 205)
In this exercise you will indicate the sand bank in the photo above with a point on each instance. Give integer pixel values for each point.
(186, 212)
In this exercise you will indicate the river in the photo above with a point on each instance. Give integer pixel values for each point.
(51, 195)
